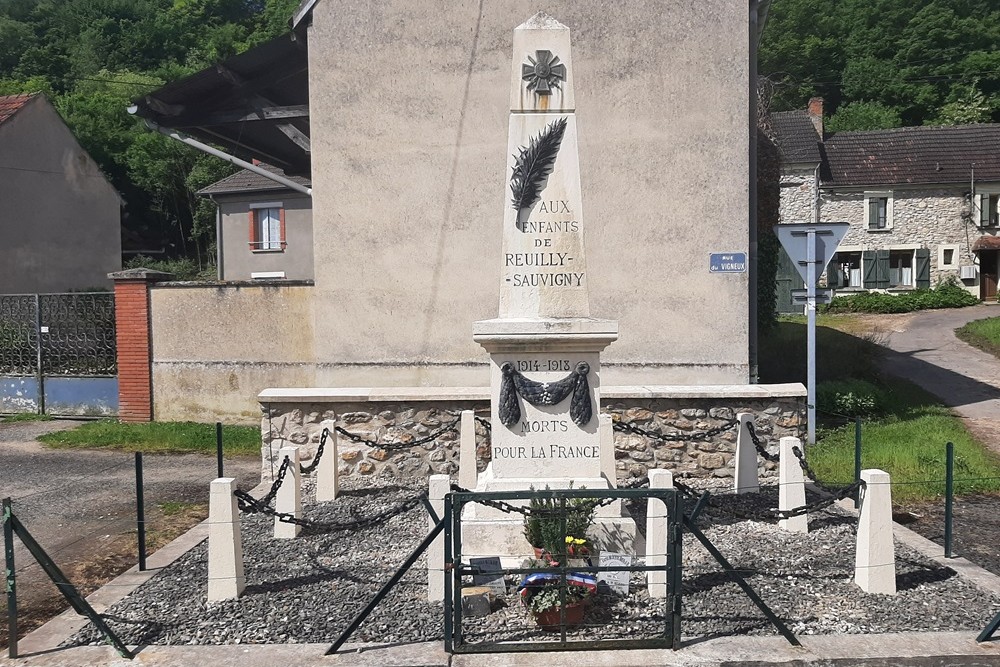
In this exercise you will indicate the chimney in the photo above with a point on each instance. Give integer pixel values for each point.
(816, 114)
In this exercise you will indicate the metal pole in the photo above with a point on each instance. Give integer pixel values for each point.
(140, 512)
(811, 336)
(949, 496)
(38, 355)
(857, 460)
(8, 551)
(218, 447)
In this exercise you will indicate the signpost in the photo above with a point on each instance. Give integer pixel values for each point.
(811, 247)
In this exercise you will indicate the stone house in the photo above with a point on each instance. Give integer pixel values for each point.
(263, 229)
(921, 201)
(61, 227)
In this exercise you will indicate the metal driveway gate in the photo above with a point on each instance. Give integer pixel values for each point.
(57, 354)
(597, 630)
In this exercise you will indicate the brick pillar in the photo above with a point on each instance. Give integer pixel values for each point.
(134, 340)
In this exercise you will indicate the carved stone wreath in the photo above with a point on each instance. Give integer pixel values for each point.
(514, 384)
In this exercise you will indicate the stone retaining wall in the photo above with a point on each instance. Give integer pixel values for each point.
(396, 424)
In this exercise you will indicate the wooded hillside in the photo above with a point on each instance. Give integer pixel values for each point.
(878, 63)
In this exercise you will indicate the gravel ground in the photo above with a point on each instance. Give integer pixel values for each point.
(308, 589)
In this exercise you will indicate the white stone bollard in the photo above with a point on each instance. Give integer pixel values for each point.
(289, 498)
(746, 479)
(656, 534)
(225, 545)
(606, 425)
(468, 474)
(875, 558)
(439, 486)
(327, 478)
(791, 486)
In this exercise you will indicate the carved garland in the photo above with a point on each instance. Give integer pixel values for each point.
(514, 384)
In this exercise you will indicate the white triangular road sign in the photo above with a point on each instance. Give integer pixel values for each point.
(794, 237)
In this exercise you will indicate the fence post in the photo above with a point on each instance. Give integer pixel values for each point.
(656, 534)
(791, 486)
(39, 375)
(949, 496)
(226, 580)
(289, 498)
(857, 460)
(746, 479)
(8, 552)
(140, 512)
(327, 472)
(133, 337)
(468, 473)
(439, 485)
(875, 557)
(218, 449)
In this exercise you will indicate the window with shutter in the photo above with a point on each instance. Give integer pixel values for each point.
(878, 211)
(267, 227)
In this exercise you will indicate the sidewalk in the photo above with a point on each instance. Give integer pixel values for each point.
(917, 649)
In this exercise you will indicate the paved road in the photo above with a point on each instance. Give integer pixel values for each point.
(926, 351)
(75, 501)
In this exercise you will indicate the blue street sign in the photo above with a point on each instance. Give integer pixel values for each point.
(727, 262)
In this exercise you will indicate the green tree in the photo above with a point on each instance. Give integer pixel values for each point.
(863, 116)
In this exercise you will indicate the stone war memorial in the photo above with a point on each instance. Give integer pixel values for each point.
(545, 348)
(534, 428)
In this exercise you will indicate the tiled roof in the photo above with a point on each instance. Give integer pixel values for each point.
(249, 181)
(912, 155)
(797, 138)
(10, 104)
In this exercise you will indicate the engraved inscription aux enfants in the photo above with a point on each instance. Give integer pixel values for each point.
(545, 259)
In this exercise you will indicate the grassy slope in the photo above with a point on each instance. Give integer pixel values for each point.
(984, 334)
(161, 437)
(908, 441)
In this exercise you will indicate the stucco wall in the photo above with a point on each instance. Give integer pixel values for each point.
(215, 347)
(239, 261)
(928, 217)
(410, 106)
(61, 222)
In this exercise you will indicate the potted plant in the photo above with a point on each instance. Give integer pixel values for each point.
(558, 534)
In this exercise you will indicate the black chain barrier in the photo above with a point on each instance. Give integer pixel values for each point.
(677, 436)
(250, 505)
(305, 470)
(773, 458)
(508, 508)
(395, 446)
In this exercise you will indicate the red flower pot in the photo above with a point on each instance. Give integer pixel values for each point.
(549, 619)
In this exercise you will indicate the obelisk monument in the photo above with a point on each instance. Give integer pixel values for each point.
(544, 346)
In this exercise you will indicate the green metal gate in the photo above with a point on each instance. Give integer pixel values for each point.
(663, 619)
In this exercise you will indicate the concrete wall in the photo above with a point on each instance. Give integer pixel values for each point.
(215, 347)
(239, 261)
(61, 222)
(409, 108)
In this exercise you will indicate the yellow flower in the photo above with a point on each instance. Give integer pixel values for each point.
(578, 541)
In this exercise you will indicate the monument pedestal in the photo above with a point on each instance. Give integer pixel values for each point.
(545, 447)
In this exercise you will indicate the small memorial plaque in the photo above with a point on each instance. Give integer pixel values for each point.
(617, 581)
(489, 569)
(727, 262)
